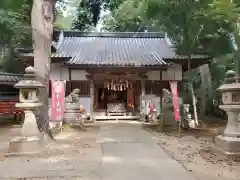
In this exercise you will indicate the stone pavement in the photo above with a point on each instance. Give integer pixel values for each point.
(109, 152)
(130, 153)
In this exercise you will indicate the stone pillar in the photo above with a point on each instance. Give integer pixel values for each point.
(229, 142)
(30, 141)
(92, 99)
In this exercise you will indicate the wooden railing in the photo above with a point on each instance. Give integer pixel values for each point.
(8, 108)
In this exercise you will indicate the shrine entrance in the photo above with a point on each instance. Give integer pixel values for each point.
(116, 97)
(112, 102)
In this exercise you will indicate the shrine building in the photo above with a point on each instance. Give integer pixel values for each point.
(114, 70)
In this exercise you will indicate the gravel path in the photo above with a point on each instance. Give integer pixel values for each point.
(188, 150)
(116, 151)
(75, 155)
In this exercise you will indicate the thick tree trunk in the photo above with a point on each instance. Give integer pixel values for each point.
(42, 27)
(206, 97)
(191, 90)
(194, 103)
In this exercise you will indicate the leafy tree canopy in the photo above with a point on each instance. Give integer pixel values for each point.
(84, 19)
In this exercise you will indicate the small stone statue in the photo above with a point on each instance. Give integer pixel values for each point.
(72, 112)
(73, 96)
(167, 97)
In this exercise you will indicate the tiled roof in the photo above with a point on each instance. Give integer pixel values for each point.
(115, 49)
(10, 78)
(111, 49)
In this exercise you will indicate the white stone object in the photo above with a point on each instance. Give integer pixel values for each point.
(29, 97)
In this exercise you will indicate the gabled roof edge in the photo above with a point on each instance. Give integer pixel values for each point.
(114, 34)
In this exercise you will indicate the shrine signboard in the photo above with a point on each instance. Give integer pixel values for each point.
(58, 99)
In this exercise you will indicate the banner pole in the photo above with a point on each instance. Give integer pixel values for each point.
(175, 101)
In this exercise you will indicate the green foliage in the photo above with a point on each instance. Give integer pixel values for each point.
(219, 66)
(112, 5)
(11, 18)
(186, 22)
(15, 30)
(225, 9)
(62, 22)
(228, 12)
(194, 27)
(128, 17)
(83, 21)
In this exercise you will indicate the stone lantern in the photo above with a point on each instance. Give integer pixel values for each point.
(30, 140)
(229, 142)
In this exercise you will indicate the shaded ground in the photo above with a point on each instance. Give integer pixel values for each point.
(75, 155)
(194, 150)
(121, 151)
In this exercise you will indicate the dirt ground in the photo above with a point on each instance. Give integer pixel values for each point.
(195, 151)
(188, 148)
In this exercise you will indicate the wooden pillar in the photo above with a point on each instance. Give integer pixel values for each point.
(143, 91)
(161, 92)
(184, 123)
(161, 117)
(70, 79)
(92, 98)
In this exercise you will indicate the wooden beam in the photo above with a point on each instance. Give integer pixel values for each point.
(8, 83)
(111, 76)
(115, 69)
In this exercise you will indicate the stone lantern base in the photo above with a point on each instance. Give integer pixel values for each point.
(21, 146)
(30, 142)
(229, 147)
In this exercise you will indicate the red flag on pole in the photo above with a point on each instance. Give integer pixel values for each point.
(58, 97)
(174, 90)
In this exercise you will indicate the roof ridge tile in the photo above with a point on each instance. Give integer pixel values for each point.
(114, 34)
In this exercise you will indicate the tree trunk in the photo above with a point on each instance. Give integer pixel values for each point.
(42, 27)
(194, 103)
(191, 90)
(206, 98)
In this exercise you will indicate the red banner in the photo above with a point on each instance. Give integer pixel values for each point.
(174, 90)
(58, 98)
